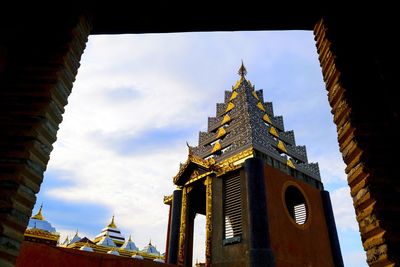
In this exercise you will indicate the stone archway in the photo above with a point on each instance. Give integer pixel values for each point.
(39, 58)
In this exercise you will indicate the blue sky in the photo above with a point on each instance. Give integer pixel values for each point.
(139, 98)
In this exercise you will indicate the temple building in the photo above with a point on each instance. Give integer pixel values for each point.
(265, 204)
(41, 231)
(113, 232)
(109, 241)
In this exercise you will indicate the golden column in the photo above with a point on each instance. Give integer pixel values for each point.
(183, 226)
(208, 183)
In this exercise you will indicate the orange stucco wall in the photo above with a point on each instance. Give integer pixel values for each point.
(35, 255)
(291, 244)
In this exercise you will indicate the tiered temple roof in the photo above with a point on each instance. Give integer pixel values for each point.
(40, 230)
(108, 241)
(112, 231)
(245, 121)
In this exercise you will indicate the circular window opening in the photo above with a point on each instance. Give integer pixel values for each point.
(296, 205)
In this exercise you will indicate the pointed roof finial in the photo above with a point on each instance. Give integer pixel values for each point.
(190, 150)
(150, 242)
(130, 238)
(112, 223)
(39, 216)
(242, 71)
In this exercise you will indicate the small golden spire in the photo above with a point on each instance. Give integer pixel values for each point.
(130, 238)
(242, 71)
(112, 223)
(39, 216)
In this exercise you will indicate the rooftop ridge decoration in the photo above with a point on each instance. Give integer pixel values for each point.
(242, 70)
(38, 215)
(112, 223)
(244, 121)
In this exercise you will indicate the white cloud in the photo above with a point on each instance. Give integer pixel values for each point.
(332, 167)
(343, 209)
(355, 258)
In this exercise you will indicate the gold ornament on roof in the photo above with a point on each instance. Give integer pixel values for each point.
(39, 216)
(260, 106)
(281, 146)
(255, 95)
(290, 164)
(273, 131)
(217, 147)
(225, 119)
(242, 71)
(267, 119)
(112, 223)
(229, 107)
(190, 149)
(221, 132)
(233, 96)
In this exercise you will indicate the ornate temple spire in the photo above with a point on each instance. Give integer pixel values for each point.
(242, 70)
(244, 121)
(112, 223)
(39, 216)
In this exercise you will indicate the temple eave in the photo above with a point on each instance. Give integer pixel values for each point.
(192, 163)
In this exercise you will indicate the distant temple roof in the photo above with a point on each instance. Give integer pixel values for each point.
(150, 249)
(110, 240)
(113, 232)
(130, 245)
(37, 221)
(106, 241)
(40, 230)
(76, 238)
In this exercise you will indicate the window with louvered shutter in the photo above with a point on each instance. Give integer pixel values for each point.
(232, 209)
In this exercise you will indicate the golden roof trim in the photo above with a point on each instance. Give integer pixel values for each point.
(194, 159)
(273, 131)
(238, 83)
(260, 106)
(217, 146)
(281, 146)
(229, 107)
(290, 164)
(122, 252)
(267, 119)
(168, 200)
(37, 233)
(255, 95)
(225, 119)
(234, 162)
(199, 177)
(221, 132)
(233, 95)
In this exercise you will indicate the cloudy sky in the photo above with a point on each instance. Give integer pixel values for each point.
(139, 98)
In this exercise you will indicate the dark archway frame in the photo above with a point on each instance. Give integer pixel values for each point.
(40, 53)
